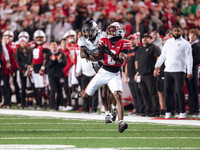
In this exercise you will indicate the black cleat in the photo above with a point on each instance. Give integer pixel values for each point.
(122, 127)
(108, 119)
(114, 114)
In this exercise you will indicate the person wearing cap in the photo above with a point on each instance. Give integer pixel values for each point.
(146, 58)
(129, 76)
(24, 58)
(177, 55)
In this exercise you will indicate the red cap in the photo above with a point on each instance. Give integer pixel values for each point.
(132, 36)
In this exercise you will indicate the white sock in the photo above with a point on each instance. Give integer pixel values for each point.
(113, 107)
(107, 113)
(121, 122)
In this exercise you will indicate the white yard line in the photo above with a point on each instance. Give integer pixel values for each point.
(98, 138)
(101, 130)
(23, 146)
(49, 123)
(71, 147)
(95, 117)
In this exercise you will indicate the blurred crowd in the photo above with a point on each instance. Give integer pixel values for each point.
(55, 17)
(56, 20)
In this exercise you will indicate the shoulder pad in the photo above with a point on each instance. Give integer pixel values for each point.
(81, 41)
(103, 40)
(31, 44)
(126, 44)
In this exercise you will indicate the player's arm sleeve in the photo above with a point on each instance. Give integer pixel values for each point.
(189, 58)
(126, 47)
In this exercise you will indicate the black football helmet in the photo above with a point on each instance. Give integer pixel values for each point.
(90, 29)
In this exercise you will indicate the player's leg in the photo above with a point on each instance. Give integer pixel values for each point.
(100, 79)
(120, 109)
(113, 106)
(106, 103)
(115, 86)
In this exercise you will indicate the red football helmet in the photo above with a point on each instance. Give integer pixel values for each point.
(115, 29)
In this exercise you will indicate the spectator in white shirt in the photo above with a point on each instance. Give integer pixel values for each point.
(177, 55)
(85, 69)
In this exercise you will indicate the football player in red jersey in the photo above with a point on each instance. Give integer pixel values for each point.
(40, 79)
(89, 43)
(8, 68)
(74, 50)
(114, 49)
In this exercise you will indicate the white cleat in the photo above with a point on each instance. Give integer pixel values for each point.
(168, 115)
(182, 116)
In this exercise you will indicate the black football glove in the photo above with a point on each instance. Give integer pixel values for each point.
(105, 49)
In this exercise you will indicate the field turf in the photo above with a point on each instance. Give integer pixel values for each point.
(95, 134)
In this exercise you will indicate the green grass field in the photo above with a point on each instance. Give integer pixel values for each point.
(95, 134)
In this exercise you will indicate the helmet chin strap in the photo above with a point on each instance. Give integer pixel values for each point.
(70, 40)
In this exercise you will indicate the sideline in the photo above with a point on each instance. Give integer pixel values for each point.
(68, 115)
(71, 147)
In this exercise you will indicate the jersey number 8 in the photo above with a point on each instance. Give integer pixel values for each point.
(110, 60)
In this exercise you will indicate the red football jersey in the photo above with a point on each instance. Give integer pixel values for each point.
(69, 62)
(74, 50)
(121, 46)
(38, 52)
(10, 71)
